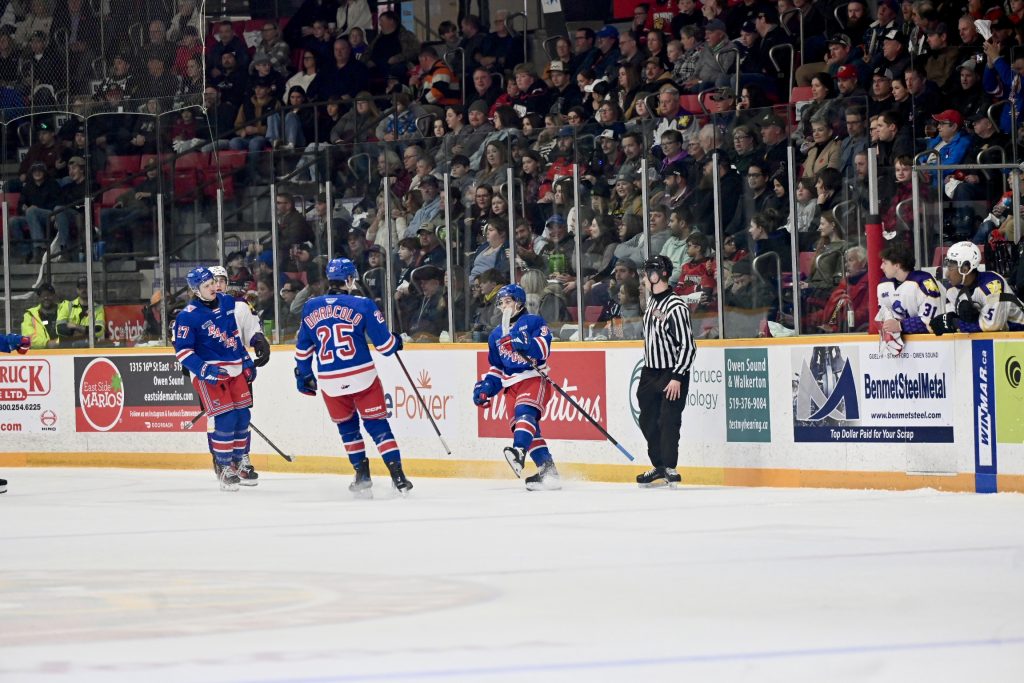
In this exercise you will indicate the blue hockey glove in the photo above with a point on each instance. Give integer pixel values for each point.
(306, 384)
(249, 370)
(484, 389)
(261, 347)
(16, 342)
(211, 374)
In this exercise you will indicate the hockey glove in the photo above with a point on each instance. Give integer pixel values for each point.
(261, 347)
(505, 345)
(947, 322)
(306, 384)
(485, 388)
(16, 342)
(249, 371)
(967, 311)
(211, 374)
(399, 344)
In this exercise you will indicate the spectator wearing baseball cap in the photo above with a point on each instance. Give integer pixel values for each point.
(895, 56)
(717, 61)
(952, 144)
(606, 63)
(839, 52)
(887, 17)
(967, 92)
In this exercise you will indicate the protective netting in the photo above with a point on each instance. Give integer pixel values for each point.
(70, 55)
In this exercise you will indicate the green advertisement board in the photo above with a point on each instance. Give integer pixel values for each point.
(747, 405)
(1009, 377)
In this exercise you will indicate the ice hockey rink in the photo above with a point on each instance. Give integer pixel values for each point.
(152, 576)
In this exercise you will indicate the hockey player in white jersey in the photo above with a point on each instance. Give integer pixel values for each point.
(908, 299)
(977, 300)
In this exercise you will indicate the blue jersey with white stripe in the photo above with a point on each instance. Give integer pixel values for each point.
(209, 335)
(511, 368)
(333, 331)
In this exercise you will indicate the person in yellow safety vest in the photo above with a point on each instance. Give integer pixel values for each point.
(40, 321)
(73, 319)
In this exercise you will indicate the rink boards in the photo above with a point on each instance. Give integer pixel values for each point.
(822, 411)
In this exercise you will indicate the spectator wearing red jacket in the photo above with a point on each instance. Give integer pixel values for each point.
(850, 295)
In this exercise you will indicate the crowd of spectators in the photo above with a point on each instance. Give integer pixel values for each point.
(689, 97)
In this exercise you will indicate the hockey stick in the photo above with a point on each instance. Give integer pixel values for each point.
(255, 429)
(422, 403)
(578, 407)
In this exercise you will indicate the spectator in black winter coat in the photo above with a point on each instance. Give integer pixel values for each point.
(226, 42)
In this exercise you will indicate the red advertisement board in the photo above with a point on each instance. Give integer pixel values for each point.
(580, 374)
(125, 323)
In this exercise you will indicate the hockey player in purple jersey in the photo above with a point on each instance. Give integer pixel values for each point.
(333, 330)
(977, 300)
(908, 299)
(208, 344)
(518, 351)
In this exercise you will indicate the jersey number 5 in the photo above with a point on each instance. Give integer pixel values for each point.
(336, 338)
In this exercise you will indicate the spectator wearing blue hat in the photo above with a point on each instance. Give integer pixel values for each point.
(606, 63)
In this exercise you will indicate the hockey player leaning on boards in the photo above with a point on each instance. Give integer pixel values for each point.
(334, 329)
(908, 299)
(207, 344)
(976, 301)
(248, 328)
(518, 351)
(8, 343)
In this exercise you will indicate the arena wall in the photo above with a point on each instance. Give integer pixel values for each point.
(820, 411)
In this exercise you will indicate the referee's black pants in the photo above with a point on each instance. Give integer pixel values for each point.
(661, 418)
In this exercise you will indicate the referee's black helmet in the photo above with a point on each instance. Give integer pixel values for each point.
(659, 264)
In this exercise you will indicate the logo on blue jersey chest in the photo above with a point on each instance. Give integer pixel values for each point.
(214, 331)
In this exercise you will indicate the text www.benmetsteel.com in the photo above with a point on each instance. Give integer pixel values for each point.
(10, 427)
(906, 416)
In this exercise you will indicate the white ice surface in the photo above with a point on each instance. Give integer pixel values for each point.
(154, 576)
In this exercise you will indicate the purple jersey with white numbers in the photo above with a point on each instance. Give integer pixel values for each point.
(333, 331)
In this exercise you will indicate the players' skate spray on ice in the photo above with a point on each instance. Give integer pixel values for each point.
(334, 329)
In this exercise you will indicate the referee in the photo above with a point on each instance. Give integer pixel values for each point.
(665, 379)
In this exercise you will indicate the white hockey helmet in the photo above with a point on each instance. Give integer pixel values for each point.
(964, 256)
(219, 271)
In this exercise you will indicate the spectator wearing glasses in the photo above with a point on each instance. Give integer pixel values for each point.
(745, 150)
(759, 195)
(273, 48)
(584, 52)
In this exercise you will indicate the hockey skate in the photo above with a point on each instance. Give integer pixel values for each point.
(398, 478)
(247, 474)
(546, 479)
(228, 478)
(361, 485)
(652, 478)
(516, 458)
(3, 486)
(672, 477)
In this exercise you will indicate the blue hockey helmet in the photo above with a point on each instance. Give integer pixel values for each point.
(340, 270)
(517, 293)
(197, 276)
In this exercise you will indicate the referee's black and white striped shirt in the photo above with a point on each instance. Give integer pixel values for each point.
(668, 339)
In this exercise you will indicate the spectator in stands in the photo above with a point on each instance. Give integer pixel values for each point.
(353, 14)
(430, 209)
(764, 236)
(126, 226)
(273, 48)
(745, 150)
(265, 299)
(44, 150)
(187, 15)
(305, 76)
(76, 22)
(40, 193)
(157, 44)
(227, 42)
(73, 319)
(430, 307)
(710, 71)
(744, 291)
(606, 61)
(219, 123)
(696, 278)
(347, 77)
(38, 19)
(503, 51)
(494, 167)
(292, 228)
(925, 96)
(487, 315)
(888, 19)
(822, 107)
(827, 267)
(904, 191)
(759, 195)
(297, 125)
(190, 85)
(251, 129)
(438, 86)
(894, 55)
(42, 71)
(671, 114)
(143, 138)
(319, 41)
(940, 57)
(393, 48)
(881, 98)
(263, 72)
(559, 250)
(824, 152)
(850, 293)
(40, 322)
(687, 15)
(159, 82)
(584, 52)
(564, 93)
(855, 142)
(485, 89)
(230, 80)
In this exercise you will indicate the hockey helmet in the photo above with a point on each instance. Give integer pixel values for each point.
(659, 264)
(341, 270)
(197, 276)
(219, 271)
(964, 256)
(515, 292)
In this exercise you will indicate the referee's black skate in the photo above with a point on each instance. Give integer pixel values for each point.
(361, 485)
(516, 458)
(398, 478)
(654, 477)
(546, 479)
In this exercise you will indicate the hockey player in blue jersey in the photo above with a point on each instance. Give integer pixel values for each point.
(333, 329)
(208, 344)
(976, 300)
(908, 299)
(518, 351)
(14, 342)
(9, 343)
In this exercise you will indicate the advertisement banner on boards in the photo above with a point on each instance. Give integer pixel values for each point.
(438, 386)
(747, 397)
(134, 394)
(857, 393)
(27, 398)
(581, 374)
(986, 377)
(125, 324)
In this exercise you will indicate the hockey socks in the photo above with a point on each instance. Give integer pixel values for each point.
(222, 446)
(526, 435)
(355, 448)
(380, 432)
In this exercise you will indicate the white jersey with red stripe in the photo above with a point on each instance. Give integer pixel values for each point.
(512, 368)
(208, 334)
(333, 331)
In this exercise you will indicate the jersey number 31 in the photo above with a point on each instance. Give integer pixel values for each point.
(335, 341)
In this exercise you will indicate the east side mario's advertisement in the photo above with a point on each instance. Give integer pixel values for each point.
(134, 394)
(27, 400)
(580, 374)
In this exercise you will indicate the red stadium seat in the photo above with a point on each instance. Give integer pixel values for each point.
(806, 261)
(691, 103)
(939, 255)
(118, 168)
(12, 199)
(802, 93)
